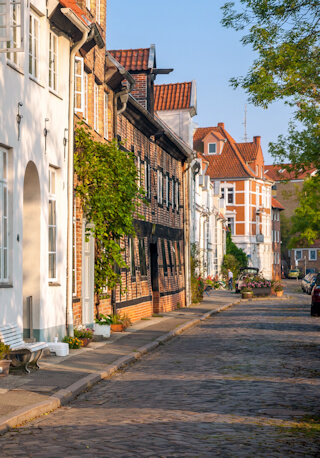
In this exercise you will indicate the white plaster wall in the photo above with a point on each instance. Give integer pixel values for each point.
(181, 122)
(38, 104)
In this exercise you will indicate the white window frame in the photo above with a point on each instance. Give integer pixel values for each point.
(15, 38)
(177, 195)
(295, 255)
(78, 84)
(5, 21)
(96, 107)
(215, 147)
(52, 224)
(231, 223)
(230, 192)
(106, 117)
(173, 193)
(53, 62)
(88, 4)
(147, 179)
(159, 186)
(98, 12)
(313, 250)
(34, 46)
(4, 216)
(167, 191)
(85, 96)
(12, 30)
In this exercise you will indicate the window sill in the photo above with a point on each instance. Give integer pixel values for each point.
(5, 285)
(144, 277)
(55, 94)
(14, 67)
(32, 78)
(54, 283)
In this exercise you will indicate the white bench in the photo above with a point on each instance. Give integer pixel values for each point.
(21, 353)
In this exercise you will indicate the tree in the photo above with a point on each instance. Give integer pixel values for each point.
(235, 257)
(107, 185)
(306, 218)
(285, 34)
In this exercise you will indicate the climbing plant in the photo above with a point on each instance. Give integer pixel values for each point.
(107, 185)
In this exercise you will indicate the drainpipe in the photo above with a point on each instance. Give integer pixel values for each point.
(75, 48)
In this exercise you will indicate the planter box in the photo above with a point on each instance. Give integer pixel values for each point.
(102, 330)
(261, 291)
(4, 367)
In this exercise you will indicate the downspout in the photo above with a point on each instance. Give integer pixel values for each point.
(75, 48)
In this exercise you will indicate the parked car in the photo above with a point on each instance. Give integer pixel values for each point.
(315, 298)
(311, 283)
(312, 270)
(245, 272)
(305, 282)
(294, 273)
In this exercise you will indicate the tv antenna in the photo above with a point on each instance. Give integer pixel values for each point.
(245, 138)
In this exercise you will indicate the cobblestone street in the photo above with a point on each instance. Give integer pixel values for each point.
(244, 383)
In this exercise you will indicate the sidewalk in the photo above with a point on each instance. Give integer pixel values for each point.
(60, 379)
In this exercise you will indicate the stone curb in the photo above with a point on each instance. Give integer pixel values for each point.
(66, 395)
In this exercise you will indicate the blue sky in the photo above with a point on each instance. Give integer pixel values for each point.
(189, 38)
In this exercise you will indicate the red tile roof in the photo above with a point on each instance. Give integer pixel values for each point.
(228, 164)
(276, 204)
(249, 150)
(76, 9)
(132, 59)
(172, 96)
(277, 172)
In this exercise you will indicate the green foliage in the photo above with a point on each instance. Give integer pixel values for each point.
(230, 262)
(238, 253)
(74, 342)
(4, 350)
(306, 217)
(285, 35)
(285, 230)
(103, 319)
(83, 332)
(197, 283)
(107, 184)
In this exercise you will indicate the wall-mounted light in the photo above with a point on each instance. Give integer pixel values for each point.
(19, 117)
(45, 133)
(65, 141)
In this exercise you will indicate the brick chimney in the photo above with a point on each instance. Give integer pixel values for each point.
(221, 124)
(257, 140)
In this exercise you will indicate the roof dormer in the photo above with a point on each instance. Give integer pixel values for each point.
(213, 143)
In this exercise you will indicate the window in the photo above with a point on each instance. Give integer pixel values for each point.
(53, 61)
(278, 216)
(4, 226)
(174, 259)
(177, 195)
(34, 31)
(12, 28)
(230, 196)
(142, 256)
(96, 107)
(52, 227)
(147, 179)
(85, 96)
(132, 259)
(139, 169)
(212, 148)
(88, 4)
(169, 253)
(222, 193)
(164, 260)
(298, 254)
(312, 255)
(173, 194)
(98, 11)
(13, 56)
(231, 224)
(167, 191)
(160, 186)
(105, 129)
(179, 256)
(78, 84)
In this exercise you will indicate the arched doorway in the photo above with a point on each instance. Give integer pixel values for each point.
(31, 250)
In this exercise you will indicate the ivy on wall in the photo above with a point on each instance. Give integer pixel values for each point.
(107, 185)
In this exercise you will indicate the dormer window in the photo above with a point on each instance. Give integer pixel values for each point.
(212, 148)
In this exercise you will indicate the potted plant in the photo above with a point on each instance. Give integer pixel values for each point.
(84, 334)
(74, 342)
(4, 362)
(119, 322)
(258, 285)
(102, 325)
(246, 292)
(278, 289)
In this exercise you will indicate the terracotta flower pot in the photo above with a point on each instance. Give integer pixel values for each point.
(4, 367)
(117, 327)
(85, 341)
(279, 293)
(246, 294)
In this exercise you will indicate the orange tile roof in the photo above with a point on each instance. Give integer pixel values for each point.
(172, 96)
(76, 9)
(228, 164)
(132, 59)
(277, 172)
(276, 204)
(248, 150)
